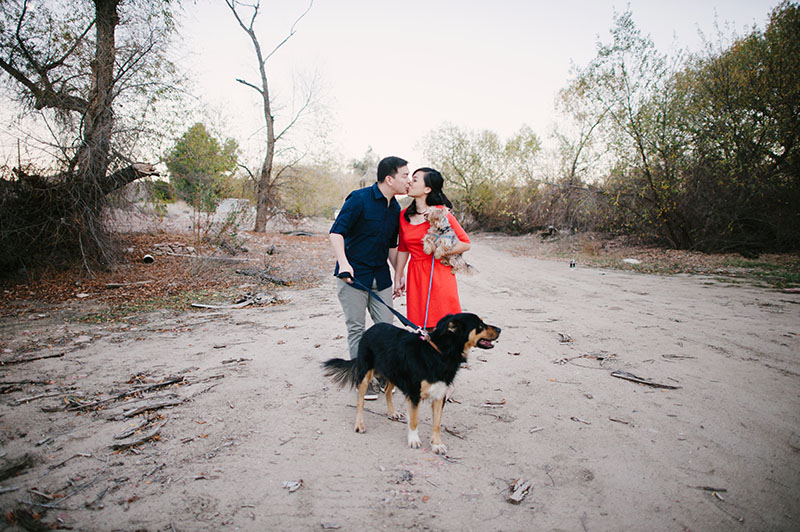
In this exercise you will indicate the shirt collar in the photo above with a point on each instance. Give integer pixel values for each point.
(378, 195)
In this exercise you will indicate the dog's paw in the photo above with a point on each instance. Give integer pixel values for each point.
(439, 448)
(413, 439)
(360, 428)
(397, 416)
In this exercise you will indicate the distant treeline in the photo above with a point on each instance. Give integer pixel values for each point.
(692, 151)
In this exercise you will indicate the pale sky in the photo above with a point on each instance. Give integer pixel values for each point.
(392, 71)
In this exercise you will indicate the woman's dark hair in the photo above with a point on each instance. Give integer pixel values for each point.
(435, 181)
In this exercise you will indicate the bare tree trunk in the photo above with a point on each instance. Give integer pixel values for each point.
(92, 157)
(265, 177)
(265, 189)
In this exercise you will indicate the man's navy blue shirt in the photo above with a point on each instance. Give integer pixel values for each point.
(370, 228)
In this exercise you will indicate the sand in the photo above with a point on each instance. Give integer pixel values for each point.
(260, 440)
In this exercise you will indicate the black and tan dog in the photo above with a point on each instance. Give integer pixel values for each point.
(421, 367)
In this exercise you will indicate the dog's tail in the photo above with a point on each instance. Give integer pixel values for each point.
(343, 372)
(470, 270)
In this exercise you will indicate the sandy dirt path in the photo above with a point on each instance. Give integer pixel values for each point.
(262, 441)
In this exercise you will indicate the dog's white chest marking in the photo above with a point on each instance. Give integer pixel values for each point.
(435, 391)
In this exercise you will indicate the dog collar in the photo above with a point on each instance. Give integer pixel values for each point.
(427, 339)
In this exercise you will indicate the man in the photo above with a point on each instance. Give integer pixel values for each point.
(363, 237)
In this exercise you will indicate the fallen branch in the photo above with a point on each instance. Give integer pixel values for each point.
(25, 381)
(633, 378)
(131, 431)
(34, 397)
(236, 360)
(245, 300)
(154, 405)
(123, 285)
(709, 488)
(141, 439)
(122, 395)
(24, 360)
(264, 276)
(55, 466)
(210, 257)
(237, 305)
(453, 433)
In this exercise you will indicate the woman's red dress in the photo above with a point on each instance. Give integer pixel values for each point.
(444, 290)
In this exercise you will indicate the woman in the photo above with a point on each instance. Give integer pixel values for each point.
(426, 190)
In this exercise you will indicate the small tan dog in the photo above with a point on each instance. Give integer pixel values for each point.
(440, 239)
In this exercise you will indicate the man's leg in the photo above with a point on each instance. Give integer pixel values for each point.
(354, 305)
(379, 312)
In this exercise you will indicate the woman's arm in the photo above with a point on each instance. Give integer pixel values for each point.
(463, 243)
(459, 248)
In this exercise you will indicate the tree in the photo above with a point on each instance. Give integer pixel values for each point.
(267, 180)
(745, 127)
(66, 67)
(367, 167)
(485, 171)
(704, 150)
(628, 95)
(199, 166)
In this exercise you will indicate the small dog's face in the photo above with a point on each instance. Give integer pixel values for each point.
(471, 328)
(438, 219)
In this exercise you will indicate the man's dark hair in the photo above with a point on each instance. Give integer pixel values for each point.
(389, 166)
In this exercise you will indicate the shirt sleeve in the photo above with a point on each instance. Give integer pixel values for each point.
(459, 231)
(348, 214)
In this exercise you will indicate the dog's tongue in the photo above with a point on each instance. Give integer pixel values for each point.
(485, 344)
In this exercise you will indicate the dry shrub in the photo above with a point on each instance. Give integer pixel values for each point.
(528, 208)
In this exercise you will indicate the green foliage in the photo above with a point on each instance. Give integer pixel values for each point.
(745, 125)
(200, 167)
(704, 151)
(482, 169)
(162, 191)
(629, 88)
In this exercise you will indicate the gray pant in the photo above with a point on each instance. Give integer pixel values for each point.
(355, 303)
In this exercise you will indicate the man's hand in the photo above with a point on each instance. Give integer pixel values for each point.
(346, 269)
(399, 287)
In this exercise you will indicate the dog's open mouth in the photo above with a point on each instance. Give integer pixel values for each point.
(483, 343)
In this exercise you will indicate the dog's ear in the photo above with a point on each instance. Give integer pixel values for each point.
(444, 324)
(455, 325)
